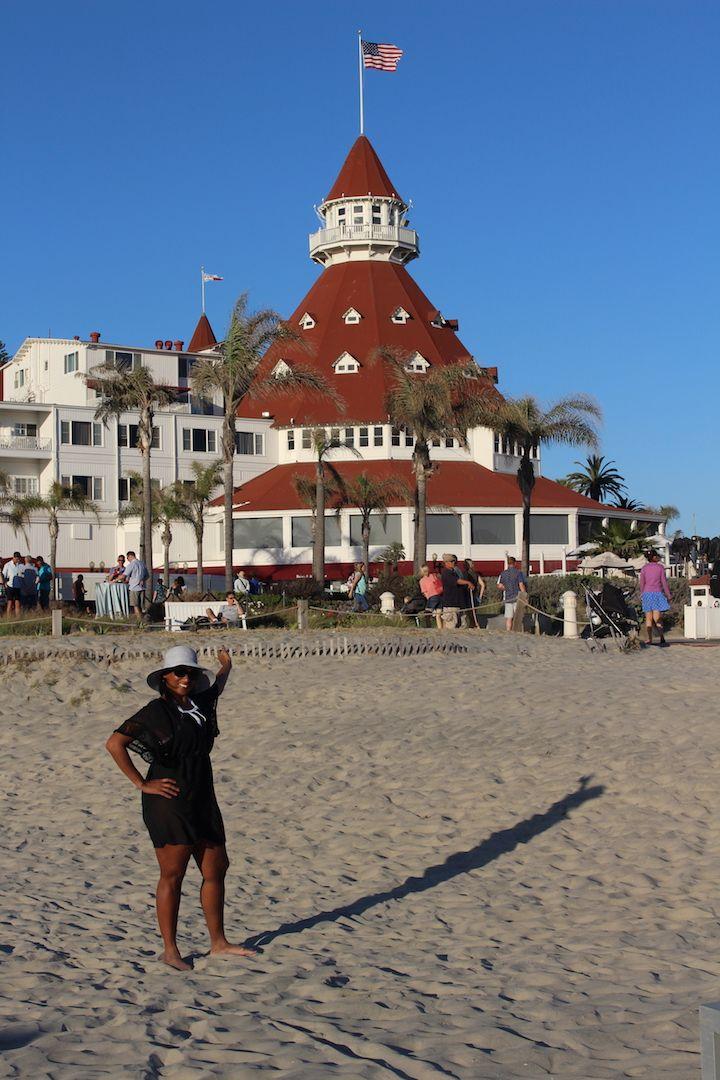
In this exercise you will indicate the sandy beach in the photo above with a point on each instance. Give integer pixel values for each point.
(496, 865)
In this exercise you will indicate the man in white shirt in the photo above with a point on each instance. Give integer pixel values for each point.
(241, 584)
(136, 575)
(13, 571)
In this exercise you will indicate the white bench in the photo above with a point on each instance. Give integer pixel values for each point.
(177, 612)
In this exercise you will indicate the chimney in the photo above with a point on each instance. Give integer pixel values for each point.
(95, 336)
(168, 345)
(178, 345)
(76, 337)
(158, 343)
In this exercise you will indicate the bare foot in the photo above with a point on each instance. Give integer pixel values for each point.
(175, 960)
(232, 950)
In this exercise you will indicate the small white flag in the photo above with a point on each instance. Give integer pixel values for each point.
(210, 277)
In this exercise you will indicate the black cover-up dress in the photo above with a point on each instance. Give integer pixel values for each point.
(176, 741)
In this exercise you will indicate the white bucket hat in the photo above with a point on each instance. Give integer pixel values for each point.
(181, 656)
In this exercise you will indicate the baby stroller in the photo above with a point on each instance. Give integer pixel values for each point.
(610, 616)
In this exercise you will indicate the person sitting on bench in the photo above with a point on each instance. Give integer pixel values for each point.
(229, 613)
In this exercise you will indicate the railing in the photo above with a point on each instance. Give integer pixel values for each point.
(24, 442)
(356, 233)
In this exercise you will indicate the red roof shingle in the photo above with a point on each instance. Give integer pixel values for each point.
(362, 174)
(203, 338)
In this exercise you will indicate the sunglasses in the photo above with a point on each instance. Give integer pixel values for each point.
(181, 672)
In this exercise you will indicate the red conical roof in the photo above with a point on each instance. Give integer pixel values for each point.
(203, 338)
(375, 290)
(362, 174)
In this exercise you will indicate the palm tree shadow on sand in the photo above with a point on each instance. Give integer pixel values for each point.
(462, 862)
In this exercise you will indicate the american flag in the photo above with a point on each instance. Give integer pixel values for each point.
(382, 57)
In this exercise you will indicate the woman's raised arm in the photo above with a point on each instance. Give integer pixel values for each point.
(224, 670)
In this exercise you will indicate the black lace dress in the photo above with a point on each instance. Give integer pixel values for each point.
(176, 741)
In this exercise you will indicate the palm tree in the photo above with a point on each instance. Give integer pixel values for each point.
(167, 506)
(233, 373)
(370, 496)
(624, 502)
(314, 493)
(524, 422)
(196, 495)
(596, 478)
(58, 500)
(121, 391)
(435, 404)
(621, 539)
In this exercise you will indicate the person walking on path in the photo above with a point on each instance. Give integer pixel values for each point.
(13, 571)
(358, 588)
(44, 582)
(175, 733)
(432, 590)
(511, 583)
(655, 596)
(136, 574)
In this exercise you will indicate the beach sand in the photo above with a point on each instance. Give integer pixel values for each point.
(497, 865)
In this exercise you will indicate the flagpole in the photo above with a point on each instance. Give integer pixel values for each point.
(360, 73)
(202, 288)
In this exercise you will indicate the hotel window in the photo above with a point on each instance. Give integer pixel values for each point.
(358, 214)
(249, 442)
(70, 363)
(200, 440)
(128, 436)
(306, 439)
(395, 437)
(335, 436)
(123, 360)
(19, 379)
(25, 485)
(384, 529)
(185, 366)
(291, 439)
(409, 438)
(492, 528)
(351, 318)
(90, 486)
(449, 444)
(364, 437)
(376, 220)
(301, 531)
(258, 533)
(377, 436)
(23, 431)
(444, 529)
(496, 443)
(80, 433)
(341, 215)
(435, 442)
(349, 437)
(549, 528)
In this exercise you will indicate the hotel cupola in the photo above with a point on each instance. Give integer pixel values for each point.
(363, 216)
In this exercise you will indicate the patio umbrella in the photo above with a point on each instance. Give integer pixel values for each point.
(604, 560)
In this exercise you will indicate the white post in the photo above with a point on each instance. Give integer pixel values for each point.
(542, 562)
(202, 289)
(564, 560)
(570, 626)
(387, 603)
(360, 73)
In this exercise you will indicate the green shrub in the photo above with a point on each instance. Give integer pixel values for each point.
(398, 584)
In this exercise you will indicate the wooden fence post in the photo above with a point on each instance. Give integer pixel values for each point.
(302, 614)
(57, 616)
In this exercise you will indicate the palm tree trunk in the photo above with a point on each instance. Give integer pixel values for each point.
(167, 541)
(54, 529)
(318, 569)
(526, 483)
(228, 483)
(146, 418)
(366, 544)
(420, 537)
(199, 529)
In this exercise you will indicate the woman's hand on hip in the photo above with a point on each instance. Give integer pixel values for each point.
(168, 789)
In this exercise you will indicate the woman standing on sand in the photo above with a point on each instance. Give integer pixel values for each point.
(175, 733)
(655, 595)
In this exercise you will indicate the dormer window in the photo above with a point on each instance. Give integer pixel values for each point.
(437, 320)
(346, 365)
(281, 369)
(307, 322)
(400, 316)
(352, 317)
(417, 363)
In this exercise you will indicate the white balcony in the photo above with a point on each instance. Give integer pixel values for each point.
(33, 443)
(401, 243)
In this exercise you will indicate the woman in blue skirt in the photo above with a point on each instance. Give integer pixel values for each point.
(655, 595)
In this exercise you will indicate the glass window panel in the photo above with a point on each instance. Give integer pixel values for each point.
(444, 529)
(211, 442)
(364, 438)
(395, 437)
(199, 440)
(291, 439)
(64, 431)
(97, 434)
(187, 439)
(548, 529)
(377, 436)
(492, 529)
(307, 439)
(123, 489)
(259, 443)
(257, 533)
(302, 531)
(244, 442)
(97, 485)
(384, 529)
(81, 433)
(349, 436)
(409, 438)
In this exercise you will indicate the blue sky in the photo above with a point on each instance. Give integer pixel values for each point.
(562, 157)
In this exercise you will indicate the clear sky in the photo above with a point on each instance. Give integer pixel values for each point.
(562, 157)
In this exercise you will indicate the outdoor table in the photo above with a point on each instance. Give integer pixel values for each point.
(112, 599)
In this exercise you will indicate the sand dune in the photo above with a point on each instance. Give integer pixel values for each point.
(498, 865)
